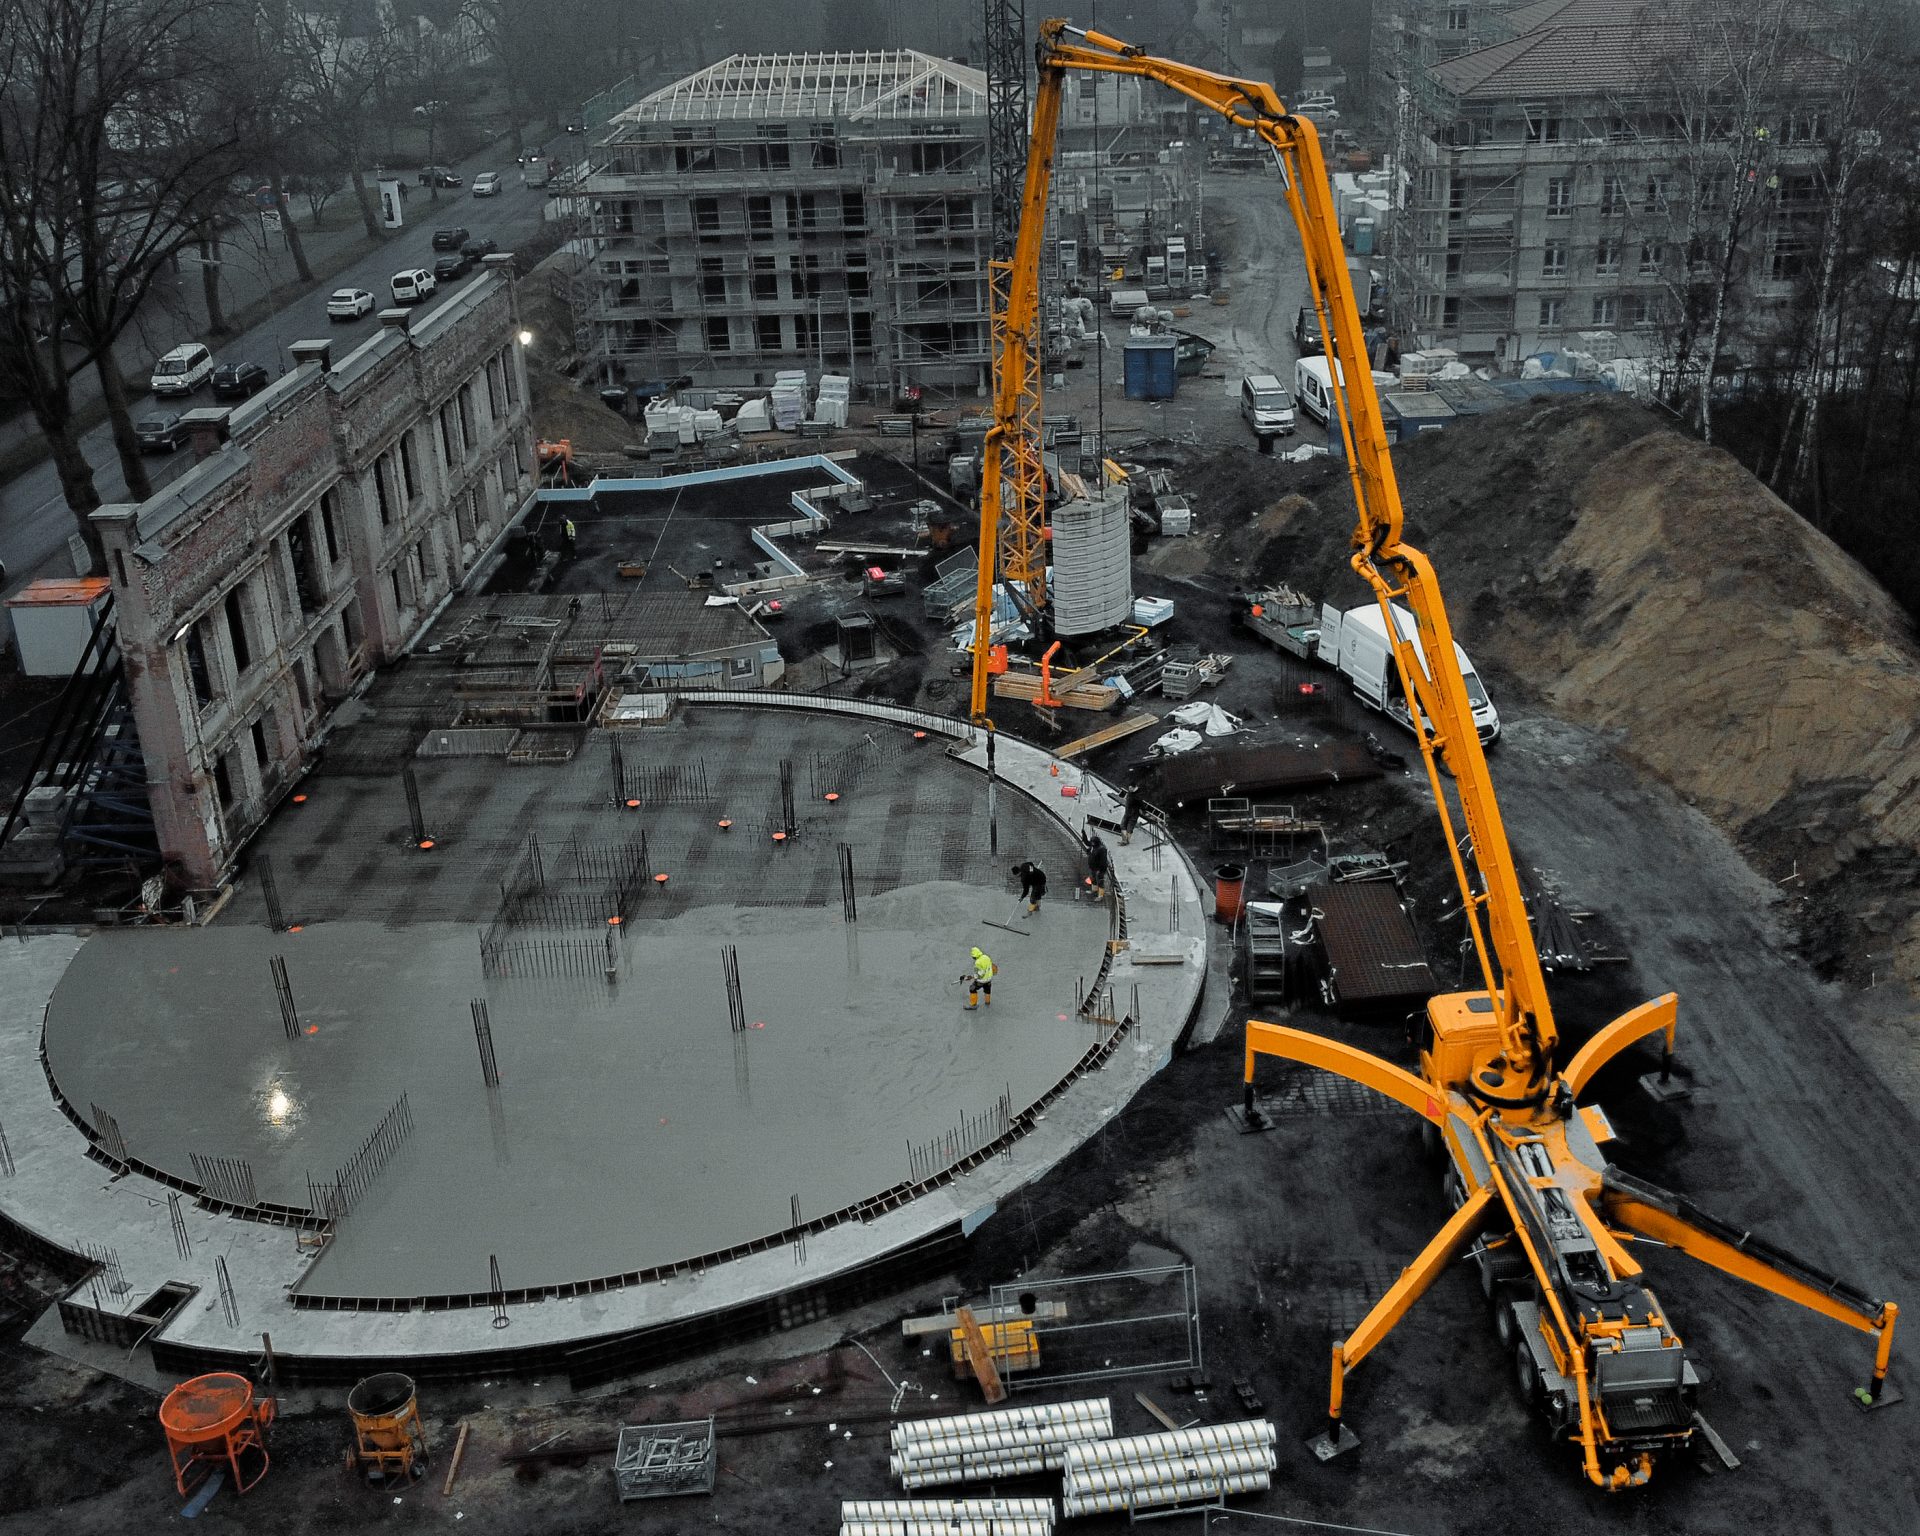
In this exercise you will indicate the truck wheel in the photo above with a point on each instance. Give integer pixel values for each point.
(1430, 1142)
(1506, 1325)
(1456, 1191)
(1526, 1375)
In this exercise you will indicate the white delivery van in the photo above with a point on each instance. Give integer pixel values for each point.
(182, 371)
(1266, 405)
(413, 286)
(1355, 644)
(1313, 386)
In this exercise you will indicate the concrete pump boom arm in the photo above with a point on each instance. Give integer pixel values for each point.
(1497, 914)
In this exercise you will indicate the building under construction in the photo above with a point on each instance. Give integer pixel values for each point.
(775, 211)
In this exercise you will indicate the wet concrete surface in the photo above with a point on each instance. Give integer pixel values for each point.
(633, 1128)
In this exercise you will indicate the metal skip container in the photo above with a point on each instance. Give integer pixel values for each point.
(1092, 563)
(389, 1442)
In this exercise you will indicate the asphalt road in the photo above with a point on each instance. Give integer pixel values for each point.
(34, 520)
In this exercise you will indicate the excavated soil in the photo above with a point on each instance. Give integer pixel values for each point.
(1649, 586)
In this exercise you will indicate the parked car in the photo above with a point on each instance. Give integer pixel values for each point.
(1306, 332)
(413, 285)
(236, 381)
(449, 239)
(453, 264)
(1324, 117)
(440, 176)
(182, 371)
(1312, 100)
(160, 434)
(479, 246)
(349, 304)
(487, 184)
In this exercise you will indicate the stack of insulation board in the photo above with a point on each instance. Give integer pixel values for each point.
(830, 405)
(788, 407)
(1182, 1466)
(1007, 1442)
(946, 1517)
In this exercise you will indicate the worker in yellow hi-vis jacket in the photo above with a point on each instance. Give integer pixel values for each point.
(979, 980)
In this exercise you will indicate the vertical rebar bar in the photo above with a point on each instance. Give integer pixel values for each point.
(414, 813)
(498, 1290)
(283, 989)
(788, 821)
(483, 1037)
(849, 906)
(270, 893)
(736, 1000)
(799, 1234)
(6, 1155)
(177, 1219)
(229, 1303)
(619, 764)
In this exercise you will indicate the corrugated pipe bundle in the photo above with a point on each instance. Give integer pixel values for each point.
(1165, 1493)
(1173, 1468)
(917, 1475)
(990, 1526)
(1085, 1411)
(1007, 1443)
(870, 1510)
(1184, 1469)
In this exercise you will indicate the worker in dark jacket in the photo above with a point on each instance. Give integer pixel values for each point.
(1033, 885)
(1099, 865)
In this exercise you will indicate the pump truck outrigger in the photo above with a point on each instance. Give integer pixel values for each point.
(1547, 1220)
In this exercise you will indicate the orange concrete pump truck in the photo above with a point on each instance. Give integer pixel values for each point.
(1547, 1221)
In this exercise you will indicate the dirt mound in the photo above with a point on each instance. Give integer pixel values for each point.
(1649, 585)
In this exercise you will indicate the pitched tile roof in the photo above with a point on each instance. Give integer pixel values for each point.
(1590, 47)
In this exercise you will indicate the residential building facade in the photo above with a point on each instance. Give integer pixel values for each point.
(1592, 174)
(826, 211)
(324, 521)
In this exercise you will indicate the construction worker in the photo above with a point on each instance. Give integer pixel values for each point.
(1099, 865)
(1033, 885)
(1130, 812)
(571, 534)
(979, 980)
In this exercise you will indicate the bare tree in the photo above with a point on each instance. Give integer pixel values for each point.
(117, 145)
(36, 217)
(1856, 116)
(336, 81)
(1703, 131)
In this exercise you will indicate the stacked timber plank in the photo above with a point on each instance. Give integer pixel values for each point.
(1026, 686)
(1182, 1466)
(1009, 1442)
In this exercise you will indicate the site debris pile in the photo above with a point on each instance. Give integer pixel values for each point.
(1648, 585)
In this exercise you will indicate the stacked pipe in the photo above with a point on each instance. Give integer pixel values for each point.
(1008, 1442)
(1182, 1466)
(946, 1517)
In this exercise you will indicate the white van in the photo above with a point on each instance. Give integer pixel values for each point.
(182, 371)
(1313, 386)
(1355, 644)
(413, 285)
(1266, 405)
